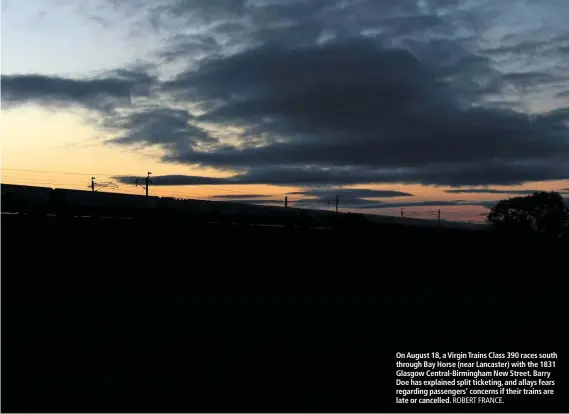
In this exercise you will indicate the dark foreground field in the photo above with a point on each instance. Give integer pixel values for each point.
(118, 315)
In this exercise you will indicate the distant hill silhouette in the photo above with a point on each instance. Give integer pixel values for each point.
(112, 315)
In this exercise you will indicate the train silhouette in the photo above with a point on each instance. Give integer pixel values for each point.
(42, 201)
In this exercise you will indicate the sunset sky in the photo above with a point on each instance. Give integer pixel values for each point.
(449, 104)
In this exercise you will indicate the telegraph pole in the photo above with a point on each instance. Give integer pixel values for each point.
(286, 201)
(147, 182)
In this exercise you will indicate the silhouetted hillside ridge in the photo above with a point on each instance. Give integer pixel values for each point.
(67, 203)
(153, 316)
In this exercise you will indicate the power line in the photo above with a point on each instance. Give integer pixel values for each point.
(172, 190)
(112, 186)
(301, 202)
(54, 172)
(157, 179)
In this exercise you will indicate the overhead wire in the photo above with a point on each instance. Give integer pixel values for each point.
(111, 176)
(166, 191)
(197, 191)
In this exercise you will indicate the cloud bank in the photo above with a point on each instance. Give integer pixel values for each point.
(311, 93)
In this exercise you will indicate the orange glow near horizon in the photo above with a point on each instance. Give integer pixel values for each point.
(59, 149)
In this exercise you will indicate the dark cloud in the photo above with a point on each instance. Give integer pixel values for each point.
(292, 21)
(332, 93)
(350, 193)
(258, 201)
(314, 176)
(454, 175)
(355, 103)
(239, 196)
(173, 180)
(170, 128)
(283, 177)
(351, 202)
(486, 204)
(489, 191)
(498, 191)
(310, 176)
(319, 198)
(330, 202)
(102, 93)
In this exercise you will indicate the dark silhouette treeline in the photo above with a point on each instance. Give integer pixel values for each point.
(151, 315)
(543, 214)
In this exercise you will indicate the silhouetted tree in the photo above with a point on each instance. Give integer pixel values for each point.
(542, 212)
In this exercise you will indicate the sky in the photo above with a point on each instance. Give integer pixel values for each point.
(421, 105)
